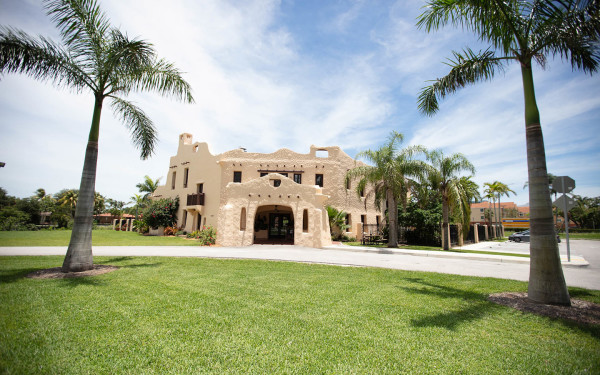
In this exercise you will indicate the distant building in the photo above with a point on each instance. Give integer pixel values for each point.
(264, 198)
(504, 210)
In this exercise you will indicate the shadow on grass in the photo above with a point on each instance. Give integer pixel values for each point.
(15, 275)
(478, 305)
(117, 260)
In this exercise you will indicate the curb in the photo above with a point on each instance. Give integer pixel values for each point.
(576, 261)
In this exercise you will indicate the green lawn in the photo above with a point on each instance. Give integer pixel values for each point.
(192, 315)
(581, 236)
(99, 238)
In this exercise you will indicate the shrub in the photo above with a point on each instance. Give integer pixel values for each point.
(169, 231)
(161, 213)
(207, 235)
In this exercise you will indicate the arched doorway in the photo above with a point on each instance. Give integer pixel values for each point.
(274, 225)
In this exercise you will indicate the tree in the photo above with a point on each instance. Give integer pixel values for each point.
(148, 187)
(68, 199)
(468, 193)
(388, 178)
(444, 176)
(337, 221)
(521, 31)
(97, 57)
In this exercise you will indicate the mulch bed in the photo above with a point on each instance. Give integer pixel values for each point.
(57, 273)
(580, 311)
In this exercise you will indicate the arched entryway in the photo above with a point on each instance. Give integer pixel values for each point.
(274, 224)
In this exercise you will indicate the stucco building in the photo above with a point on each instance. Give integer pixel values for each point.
(265, 198)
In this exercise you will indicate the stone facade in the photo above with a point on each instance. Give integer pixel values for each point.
(264, 198)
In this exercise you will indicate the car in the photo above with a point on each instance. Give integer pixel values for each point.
(524, 236)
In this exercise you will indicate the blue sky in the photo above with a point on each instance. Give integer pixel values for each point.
(291, 73)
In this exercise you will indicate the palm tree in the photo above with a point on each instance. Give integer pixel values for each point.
(491, 191)
(388, 178)
(69, 199)
(521, 31)
(502, 189)
(469, 192)
(149, 186)
(139, 202)
(97, 57)
(444, 177)
(337, 221)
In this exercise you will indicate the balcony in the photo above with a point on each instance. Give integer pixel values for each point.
(195, 199)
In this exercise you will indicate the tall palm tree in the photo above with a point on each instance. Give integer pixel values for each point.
(148, 187)
(502, 189)
(522, 31)
(491, 190)
(444, 176)
(469, 193)
(387, 180)
(97, 57)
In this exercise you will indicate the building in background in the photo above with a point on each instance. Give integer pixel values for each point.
(265, 198)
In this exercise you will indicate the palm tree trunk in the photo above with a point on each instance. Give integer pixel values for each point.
(546, 279)
(393, 219)
(79, 254)
(499, 227)
(445, 217)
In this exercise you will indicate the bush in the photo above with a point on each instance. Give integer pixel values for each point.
(161, 213)
(207, 236)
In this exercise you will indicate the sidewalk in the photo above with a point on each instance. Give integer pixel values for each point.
(492, 247)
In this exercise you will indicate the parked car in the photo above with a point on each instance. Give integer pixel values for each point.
(524, 236)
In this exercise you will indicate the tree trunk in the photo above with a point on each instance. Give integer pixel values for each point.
(546, 279)
(79, 254)
(393, 219)
(445, 216)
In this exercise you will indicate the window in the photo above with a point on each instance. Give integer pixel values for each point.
(363, 219)
(173, 181)
(243, 219)
(186, 173)
(482, 218)
(297, 178)
(322, 153)
(283, 174)
(481, 210)
(377, 219)
(349, 223)
(199, 188)
(348, 184)
(362, 192)
(305, 220)
(199, 222)
(237, 176)
(262, 174)
(276, 183)
(319, 180)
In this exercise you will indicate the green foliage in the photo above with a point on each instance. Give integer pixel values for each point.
(337, 222)
(207, 236)
(161, 213)
(12, 218)
(422, 223)
(586, 213)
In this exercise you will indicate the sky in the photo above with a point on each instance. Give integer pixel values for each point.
(270, 74)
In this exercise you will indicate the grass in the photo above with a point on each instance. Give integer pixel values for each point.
(384, 245)
(191, 315)
(99, 238)
(581, 236)
(433, 248)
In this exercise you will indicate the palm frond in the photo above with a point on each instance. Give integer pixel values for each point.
(143, 133)
(83, 26)
(466, 68)
(40, 59)
(570, 29)
(164, 78)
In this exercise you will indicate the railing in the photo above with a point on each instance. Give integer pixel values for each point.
(195, 199)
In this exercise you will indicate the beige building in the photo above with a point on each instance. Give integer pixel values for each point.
(264, 198)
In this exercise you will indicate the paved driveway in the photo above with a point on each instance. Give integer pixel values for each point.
(451, 263)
